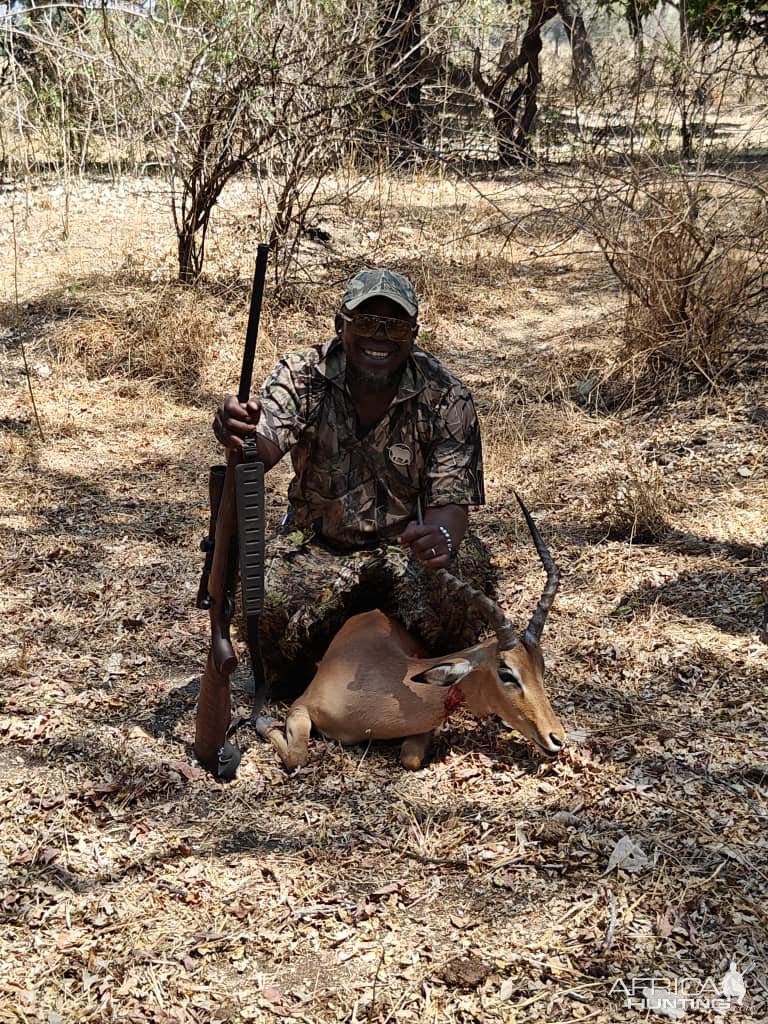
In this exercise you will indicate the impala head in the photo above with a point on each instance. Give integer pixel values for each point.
(508, 676)
(523, 703)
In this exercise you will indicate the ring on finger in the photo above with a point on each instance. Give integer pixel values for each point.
(433, 553)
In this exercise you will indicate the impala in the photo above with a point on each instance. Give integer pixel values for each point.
(376, 683)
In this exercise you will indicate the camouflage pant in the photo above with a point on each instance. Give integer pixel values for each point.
(310, 591)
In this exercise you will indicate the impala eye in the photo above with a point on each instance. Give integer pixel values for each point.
(510, 676)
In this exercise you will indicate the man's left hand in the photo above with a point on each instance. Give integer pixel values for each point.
(427, 544)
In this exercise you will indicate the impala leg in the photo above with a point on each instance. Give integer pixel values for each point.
(414, 749)
(298, 726)
(293, 746)
(272, 732)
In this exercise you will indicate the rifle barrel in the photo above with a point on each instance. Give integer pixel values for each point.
(252, 332)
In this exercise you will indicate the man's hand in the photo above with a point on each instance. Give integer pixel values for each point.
(427, 544)
(233, 422)
(426, 540)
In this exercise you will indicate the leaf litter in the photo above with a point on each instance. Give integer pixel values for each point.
(487, 887)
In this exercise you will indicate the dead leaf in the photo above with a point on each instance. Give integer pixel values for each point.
(462, 923)
(113, 665)
(66, 940)
(386, 890)
(507, 989)
(190, 772)
(627, 856)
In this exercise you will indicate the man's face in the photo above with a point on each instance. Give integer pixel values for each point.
(376, 350)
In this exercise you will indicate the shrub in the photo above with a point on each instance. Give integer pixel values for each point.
(691, 253)
(633, 502)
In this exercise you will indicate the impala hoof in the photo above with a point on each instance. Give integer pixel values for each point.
(264, 726)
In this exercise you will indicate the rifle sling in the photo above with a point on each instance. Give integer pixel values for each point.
(260, 695)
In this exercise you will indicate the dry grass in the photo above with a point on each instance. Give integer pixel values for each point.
(479, 889)
(632, 501)
(690, 254)
(164, 333)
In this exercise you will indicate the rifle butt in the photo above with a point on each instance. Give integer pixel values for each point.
(214, 712)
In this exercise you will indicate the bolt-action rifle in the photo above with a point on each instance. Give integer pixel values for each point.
(235, 544)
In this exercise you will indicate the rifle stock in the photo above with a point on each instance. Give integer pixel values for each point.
(216, 478)
(219, 580)
(223, 575)
(214, 705)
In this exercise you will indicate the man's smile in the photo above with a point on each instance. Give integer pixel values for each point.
(378, 339)
(376, 353)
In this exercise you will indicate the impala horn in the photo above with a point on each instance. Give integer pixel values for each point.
(536, 625)
(506, 633)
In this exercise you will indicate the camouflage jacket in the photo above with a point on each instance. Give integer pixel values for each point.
(356, 488)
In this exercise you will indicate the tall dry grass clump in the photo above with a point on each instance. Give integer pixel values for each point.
(633, 502)
(689, 282)
(691, 254)
(168, 334)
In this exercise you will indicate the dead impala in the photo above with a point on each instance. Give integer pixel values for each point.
(375, 683)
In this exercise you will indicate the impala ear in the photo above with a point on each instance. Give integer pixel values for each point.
(446, 673)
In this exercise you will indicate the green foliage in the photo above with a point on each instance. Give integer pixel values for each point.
(726, 19)
(707, 19)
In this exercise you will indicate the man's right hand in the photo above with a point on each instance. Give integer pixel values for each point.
(234, 422)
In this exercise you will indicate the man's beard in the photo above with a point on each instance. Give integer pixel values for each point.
(374, 380)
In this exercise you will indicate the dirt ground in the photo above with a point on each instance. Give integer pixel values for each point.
(487, 887)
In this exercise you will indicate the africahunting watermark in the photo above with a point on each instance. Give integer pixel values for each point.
(674, 997)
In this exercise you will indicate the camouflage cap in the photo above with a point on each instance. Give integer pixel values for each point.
(380, 283)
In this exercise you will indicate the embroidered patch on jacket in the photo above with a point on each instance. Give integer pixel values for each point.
(400, 454)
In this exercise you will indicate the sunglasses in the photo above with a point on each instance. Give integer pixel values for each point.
(366, 325)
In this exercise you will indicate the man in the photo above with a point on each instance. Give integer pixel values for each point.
(387, 458)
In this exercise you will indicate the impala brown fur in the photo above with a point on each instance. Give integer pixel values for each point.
(367, 687)
(375, 683)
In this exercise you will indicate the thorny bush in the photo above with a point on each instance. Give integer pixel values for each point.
(692, 256)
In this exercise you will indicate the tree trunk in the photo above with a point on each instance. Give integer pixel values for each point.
(514, 116)
(192, 221)
(582, 57)
(190, 258)
(399, 79)
(683, 74)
